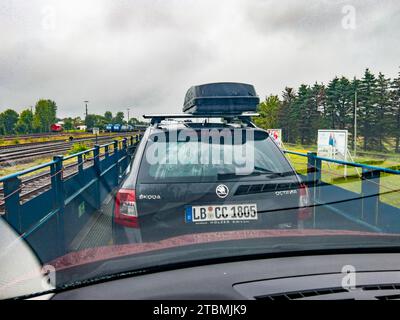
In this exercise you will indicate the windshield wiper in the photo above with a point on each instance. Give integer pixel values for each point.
(256, 172)
(265, 170)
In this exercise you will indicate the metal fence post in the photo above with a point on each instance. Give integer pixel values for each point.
(318, 171)
(116, 160)
(53, 180)
(80, 164)
(96, 157)
(369, 187)
(311, 168)
(125, 144)
(125, 148)
(97, 168)
(312, 179)
(58, 187)
(12, 190)
(318, 177)
(106, 151)
(56, 181)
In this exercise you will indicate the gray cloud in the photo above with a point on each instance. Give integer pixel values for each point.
(144, 54)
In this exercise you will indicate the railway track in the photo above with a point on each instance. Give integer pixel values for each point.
(76, 139)
(35, 185)
(39, 183)
(40, 135)
(22, 152)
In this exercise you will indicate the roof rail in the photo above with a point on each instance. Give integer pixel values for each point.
(157, 118)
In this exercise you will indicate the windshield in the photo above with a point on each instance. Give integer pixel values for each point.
(145, 135)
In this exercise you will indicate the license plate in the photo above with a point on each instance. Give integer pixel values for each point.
(236, 212)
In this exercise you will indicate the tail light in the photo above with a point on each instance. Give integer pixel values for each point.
(125, 212)
(305, 211)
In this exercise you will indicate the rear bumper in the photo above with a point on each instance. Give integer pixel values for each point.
(150, 230)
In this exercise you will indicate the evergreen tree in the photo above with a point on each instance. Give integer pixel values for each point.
(318, 107)
(395, 112)
(339, 96)
(383, 111)
(367, 110)
(286, 118)
(355, 88)
(332, 101)
(304, 110)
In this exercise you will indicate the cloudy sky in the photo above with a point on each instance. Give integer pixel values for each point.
(144, 54)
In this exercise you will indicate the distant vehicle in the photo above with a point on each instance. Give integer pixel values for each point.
(124, 127)
(116, 128)
(140, 127)
(56, 127)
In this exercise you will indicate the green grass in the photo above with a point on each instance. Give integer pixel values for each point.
(78, 147)
(334, 174)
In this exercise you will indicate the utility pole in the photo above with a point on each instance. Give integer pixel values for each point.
(355, 123)
(128, 114)
(86, 108)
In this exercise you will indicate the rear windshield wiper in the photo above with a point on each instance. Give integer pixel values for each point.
(265, 170)
(280, 174)
(256, 172)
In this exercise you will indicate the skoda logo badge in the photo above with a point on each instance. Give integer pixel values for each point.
(222, 191)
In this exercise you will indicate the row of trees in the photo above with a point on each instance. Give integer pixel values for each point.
(300, 113)
(28, 120)
(101, 121)
(45, 114)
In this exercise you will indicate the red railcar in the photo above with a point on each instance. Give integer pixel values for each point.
(56, 127)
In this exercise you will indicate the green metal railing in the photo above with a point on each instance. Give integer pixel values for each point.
(363, 207)
(50, 219)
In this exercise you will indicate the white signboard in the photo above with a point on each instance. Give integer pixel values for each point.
(96, 130)
(276, 135)
(333, 144)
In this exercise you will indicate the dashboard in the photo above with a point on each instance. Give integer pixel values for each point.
(319, 277)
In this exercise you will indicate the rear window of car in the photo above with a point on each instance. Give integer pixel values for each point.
(224, 153)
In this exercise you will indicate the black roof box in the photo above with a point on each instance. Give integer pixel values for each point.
(221, 98)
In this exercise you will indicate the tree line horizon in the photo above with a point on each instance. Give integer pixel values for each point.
(301, 113)
(40, 118)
